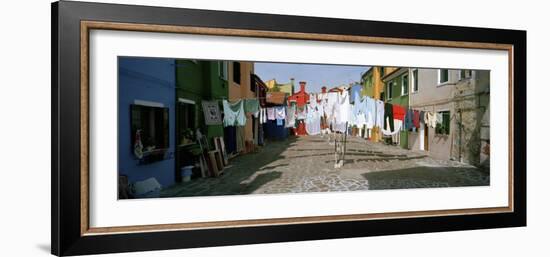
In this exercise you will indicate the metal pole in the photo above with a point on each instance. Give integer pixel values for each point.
(345, 142)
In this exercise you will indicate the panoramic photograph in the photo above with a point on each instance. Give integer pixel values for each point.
(189, 127)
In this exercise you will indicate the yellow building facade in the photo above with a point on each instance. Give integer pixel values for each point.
(273, 86)
(373, 86)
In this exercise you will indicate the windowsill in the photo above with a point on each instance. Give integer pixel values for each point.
(155, 151)
(444, 84)
(152, 156)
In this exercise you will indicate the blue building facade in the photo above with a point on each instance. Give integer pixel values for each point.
(146, 82)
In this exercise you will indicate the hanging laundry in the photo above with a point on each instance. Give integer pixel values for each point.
(416, 119)
(313, 119)
(342, 112)
(233, 113)
(421, 118)
(301, 113)
(312, 97)
(408, 123)
(252, 106)
(344, 107)
(320, 108)
(280, 115)
(370, 112)
(321, 98)
(387, 131)
(430, 119)
(379, 114)
(399, 112)
(290, 121)
(211, 111)
(271, 113)
(263, 115)
(332, 99)
(388, 117)
(355, 91)
(358, 112)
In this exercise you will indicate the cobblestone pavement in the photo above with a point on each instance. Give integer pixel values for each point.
(306, 164)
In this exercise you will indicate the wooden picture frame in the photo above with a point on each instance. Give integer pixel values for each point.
(71, 24)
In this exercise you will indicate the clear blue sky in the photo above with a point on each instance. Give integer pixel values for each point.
(316, 75)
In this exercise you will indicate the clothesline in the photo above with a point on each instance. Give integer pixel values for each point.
(333, 110)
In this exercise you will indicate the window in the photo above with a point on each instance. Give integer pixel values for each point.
(222, 70)
(186, 116)
(381, 69)
(464, 74)
(389, 89)
(149, 132)
(415, 81)
(405, 84)
(443, 76)
(237, 72)
(444, 127)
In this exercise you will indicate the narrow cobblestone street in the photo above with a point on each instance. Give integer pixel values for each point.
(306, 164)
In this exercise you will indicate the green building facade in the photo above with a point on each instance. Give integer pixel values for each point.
(197, 81)
(368, 83)
(396, 91)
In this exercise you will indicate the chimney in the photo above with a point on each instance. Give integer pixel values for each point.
(323, 89)
(302, 86)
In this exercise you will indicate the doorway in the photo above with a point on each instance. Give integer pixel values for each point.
(426, 137)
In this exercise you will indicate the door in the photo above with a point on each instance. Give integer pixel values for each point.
(421, 137)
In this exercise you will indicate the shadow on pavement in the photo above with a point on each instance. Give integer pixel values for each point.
(261, 180)
(236, 177)
(274, 166)
(427, 177)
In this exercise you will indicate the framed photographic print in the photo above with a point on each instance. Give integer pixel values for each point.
(178, 128)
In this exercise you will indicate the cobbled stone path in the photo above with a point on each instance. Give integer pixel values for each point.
(306, 164)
